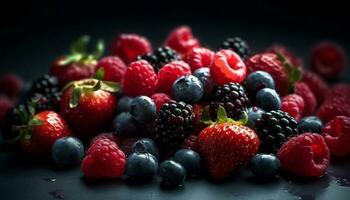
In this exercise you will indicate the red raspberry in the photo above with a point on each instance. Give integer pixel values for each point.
(227, 67)
(305, 155)
(160, 99)
(114, 68)
(279, 48)
(317, 85)
(129, 46)
(328, 60)
(11, 85)
(199, 57)
(337, 136)
(293, 104)
(190, 142)
(305, 92)
(139, 79)
(169, 73)
(181, 40)
(339, 90)
(5, 105)
(103, 160)
(110, 136)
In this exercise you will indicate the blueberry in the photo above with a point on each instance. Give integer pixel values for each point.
(173, 174)
(258, 80)
(190, 160)
(264, 166)
(67, 151)
(124, 104)
(145, 145)
(143, 109)
(188, 88)
(268, 99)
(125, 124)
(254, 113)
(141, 166)
(311, 124)
(203, 74)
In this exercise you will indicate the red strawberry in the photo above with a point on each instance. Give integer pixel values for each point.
(129, 46)
(279, 48)
(103, 159)
(139, 79)
(89, 105)
(305, 155)
(160, 99)
(294, 105)
(317, 85)
(110, 68)
(337, 136)
(199, 57)
(79, 64)
(5, 105)
(181, 40)
(11, 85)
(304, 91)
(169, 73)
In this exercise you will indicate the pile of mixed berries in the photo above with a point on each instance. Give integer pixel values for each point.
(182, 110)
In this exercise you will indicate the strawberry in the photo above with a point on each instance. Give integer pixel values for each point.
(182, 40)
(289, 55)
(89, 105)
(78, 64)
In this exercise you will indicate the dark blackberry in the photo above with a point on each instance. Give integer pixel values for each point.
(45, 85)
(274, 128)
(232, 97)
(160, 57)
(11, 119)
(47, 102)
(237, 45)
(175, 121)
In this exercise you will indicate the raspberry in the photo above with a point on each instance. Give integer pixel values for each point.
(182, 40)
(339, 90)
(227, 67)
(279, 48)
(293, 104)
(139, 79)
(317, 85)
(110, 136)
(305, 155)
(103, 160)
(190, 142)
(11, 85)
(114, 68)
(5, 105)
(304, 91)
(199, 57)
(169, 73)
(129, 46)
(328, 60)
(160, 99)
(160, 57)
(337, 136)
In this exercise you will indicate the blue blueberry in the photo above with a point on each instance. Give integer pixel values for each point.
(203, 74)
(188, 88)
(264, 166)
(268, 99)
(143, 109)
(146, 145)
(311, 124)
(67, 151)
(172, 173)
(258, 80)
(124, 104)
(141, 166)
(254, 113)
(125, 124)
(190, 160)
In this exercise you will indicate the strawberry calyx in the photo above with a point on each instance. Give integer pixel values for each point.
(222, 117)
(89, 85)
(294, 73)
(79, 52)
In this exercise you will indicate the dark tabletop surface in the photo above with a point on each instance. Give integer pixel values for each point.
(30, 53)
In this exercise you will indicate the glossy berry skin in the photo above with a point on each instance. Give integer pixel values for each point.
(268, 99)
(129, 46)
(294, 105)
(190, 160)
(310, 124)
(146, 145)
(125, 124)
(258, 80)
(238, 45)
(203, 74)
(45, 85)
(264, 166)
(139, 79)
(254, 113)
(124, 104)
(143, 109)
(199, 57)
(67, 151)
(317, 85)
(160, 99)
(227, 67)
(114, 68)
(11, 85)
(188, 88)
(172, 173)
(303, 90)
(169, 73)
(141, 166)
(305, 155)
(181, 39)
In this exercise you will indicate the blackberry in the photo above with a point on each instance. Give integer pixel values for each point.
(232, 97)
(238, 45)
(274, 128)
(173, 124)
(160, 57)
(45, 85)
(50, 101)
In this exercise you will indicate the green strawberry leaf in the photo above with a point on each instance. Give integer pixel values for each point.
(35, 122)
(70, 58)
(100, 73)
(293, 72)
(100, 47)
(206, 116)
(221, 114)
(74, 101)
(110, 86)
(80, 45)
